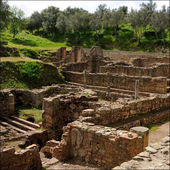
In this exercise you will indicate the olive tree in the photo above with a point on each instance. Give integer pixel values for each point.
(35, 21)
(16, 20)
(4, 14)
(160, 21)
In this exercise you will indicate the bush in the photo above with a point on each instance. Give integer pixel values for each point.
(29, 53)
(29, 74)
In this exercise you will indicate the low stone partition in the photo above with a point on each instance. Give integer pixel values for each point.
(142, 120)
(146, 84)
(119, 112)
(63, 109)
(99, 145)
(77, 67)
(28, 159)
(129, 55)
(149, 61)
(35, 97)
(162, 70)
(7, 103)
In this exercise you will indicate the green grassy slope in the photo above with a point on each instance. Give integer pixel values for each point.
(30, 45)
(27, 74)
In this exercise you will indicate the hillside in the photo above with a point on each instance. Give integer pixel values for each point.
(30, 45)
(27, 74)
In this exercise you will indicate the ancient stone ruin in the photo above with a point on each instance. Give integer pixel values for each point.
(98, 117)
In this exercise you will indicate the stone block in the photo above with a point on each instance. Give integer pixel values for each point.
(143, 132)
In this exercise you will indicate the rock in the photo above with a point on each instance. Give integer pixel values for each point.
(149, 159)
(165, 151)
(125, 164)
(156, 146)
(151, 150)
(164, 144)
(144, 154)
(76, 137)
(138, 158)
(166, 139)
(168, 162)
(52, 161)
(118, 168)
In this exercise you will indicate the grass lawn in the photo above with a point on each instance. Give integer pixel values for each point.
(28, 40)
(27, 112)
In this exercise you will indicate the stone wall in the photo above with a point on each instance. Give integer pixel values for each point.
(7, 103)
(143, 120)
(35, 97)
(146, 62)
(156, 71)
(62, 109)
(126, 56)
(99, 145)
(28, 159)
(146, 84)
(120, 112)
(77, 54)
(77, 67)
(103, 146)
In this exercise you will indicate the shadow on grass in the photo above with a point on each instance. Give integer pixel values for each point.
(24, 42)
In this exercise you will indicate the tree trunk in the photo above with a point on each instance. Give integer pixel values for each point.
(14, 35)
(163, 36)
(156, 34)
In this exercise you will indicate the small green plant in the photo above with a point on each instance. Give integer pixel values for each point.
(152, 127)
(60, 72)
(87, 95)
(29, 53)
(100, 99)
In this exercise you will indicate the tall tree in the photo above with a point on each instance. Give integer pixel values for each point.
(98, 20)
(49, 18)
(115, 18)
(78, 24)
(4, 14)
(160, 21)
(35, 21)
(16, 20)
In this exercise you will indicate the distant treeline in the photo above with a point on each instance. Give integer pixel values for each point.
(144, 28)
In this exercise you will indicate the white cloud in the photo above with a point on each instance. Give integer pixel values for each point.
(30, 6)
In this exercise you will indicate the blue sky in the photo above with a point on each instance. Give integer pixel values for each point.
(30, 6)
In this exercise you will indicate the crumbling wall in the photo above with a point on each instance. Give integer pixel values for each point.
(62, 109)
(97, 145)
(28, 159)
(7, 103)
(35, 97)
(77, 54)
(103, 146)
(128, 56)
(156, 71)
(77, 67)
(119, 112)
(146, 84)
(143, 120)
(146, 62)
(95, 59)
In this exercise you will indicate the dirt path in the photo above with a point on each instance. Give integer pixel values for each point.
(162, 131)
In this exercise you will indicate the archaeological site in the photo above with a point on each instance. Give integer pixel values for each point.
(106, 112)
